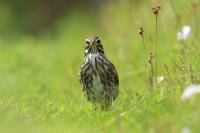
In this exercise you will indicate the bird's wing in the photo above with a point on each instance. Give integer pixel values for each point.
(84, 76)
(111, 79)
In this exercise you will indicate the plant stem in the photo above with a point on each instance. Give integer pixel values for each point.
(168, 73)
(191, 75)
(156, 56)
(145, 49)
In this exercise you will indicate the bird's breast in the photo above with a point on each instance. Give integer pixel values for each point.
(97, 86)
(93, 58)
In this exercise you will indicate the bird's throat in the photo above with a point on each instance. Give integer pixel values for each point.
(94, 61)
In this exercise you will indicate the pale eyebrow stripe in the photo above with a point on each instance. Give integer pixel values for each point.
(98, 39)
(87, 40)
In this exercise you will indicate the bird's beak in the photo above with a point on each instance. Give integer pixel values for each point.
(93, 44)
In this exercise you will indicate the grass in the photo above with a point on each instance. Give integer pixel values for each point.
(39, 90)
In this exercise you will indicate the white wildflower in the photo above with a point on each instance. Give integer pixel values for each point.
(190, 91)
(184, 34)
(160, 79)
(185, 130)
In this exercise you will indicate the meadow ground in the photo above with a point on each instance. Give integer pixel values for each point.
(39, 90)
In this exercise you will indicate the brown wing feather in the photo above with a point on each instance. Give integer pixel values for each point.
(109, 77)
(85, 78)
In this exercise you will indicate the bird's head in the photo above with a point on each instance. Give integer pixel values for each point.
(93, 45)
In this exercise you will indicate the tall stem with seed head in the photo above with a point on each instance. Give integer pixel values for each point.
(156, 9)
(141, 33)
(156, 52)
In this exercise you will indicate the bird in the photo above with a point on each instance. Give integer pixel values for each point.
(98, 76)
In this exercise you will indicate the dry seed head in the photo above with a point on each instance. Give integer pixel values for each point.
(141, 31)
(194, 6)
(150, 61)
(150, 58)
(156, 9)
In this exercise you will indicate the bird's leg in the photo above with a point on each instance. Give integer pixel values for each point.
(105, 107)
(107, 103)
(95, 106)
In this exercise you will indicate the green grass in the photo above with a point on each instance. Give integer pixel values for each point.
(39, 90)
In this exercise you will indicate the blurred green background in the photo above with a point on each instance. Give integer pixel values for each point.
(41, 49)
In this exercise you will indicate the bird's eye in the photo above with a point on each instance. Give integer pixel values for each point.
(98, 41)
(87, 42)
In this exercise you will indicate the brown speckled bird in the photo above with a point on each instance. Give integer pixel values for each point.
(98, 76)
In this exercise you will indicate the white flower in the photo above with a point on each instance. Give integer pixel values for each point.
(184, 34)
(185, 130)
(190, 91)
(160, 79)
